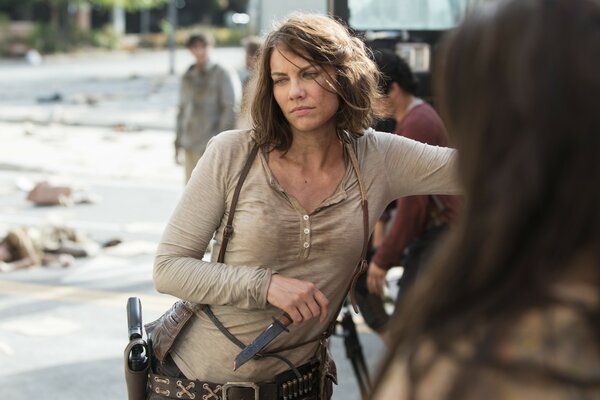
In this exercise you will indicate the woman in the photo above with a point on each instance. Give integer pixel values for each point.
(510, 307)
(299, 225)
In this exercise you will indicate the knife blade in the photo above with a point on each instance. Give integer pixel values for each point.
(278, 326)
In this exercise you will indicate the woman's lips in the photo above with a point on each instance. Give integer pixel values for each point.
(301, 110)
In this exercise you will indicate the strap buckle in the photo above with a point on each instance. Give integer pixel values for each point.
(251, 385)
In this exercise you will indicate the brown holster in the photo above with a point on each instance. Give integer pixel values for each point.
(136, 381)
(163, 331)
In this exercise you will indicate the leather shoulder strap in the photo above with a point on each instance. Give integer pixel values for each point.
(228, 230)
(227, 233)
(362, 265)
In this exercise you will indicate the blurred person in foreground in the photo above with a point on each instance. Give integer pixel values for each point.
(419, 221)
(318, 179)
(510, 306)
(209, 101)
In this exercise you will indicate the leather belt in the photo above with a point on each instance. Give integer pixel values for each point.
(287, 386)
(181, 388)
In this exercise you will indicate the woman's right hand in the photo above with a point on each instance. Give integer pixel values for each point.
(300, 299)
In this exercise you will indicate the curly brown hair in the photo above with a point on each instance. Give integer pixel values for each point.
(322, 41)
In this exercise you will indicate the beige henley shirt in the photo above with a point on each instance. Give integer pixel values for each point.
(273, 234)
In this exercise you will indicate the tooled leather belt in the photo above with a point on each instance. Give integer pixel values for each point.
(287, 386)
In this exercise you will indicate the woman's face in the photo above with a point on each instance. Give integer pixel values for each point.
(303, 92)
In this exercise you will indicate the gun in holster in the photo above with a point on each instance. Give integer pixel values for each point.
(137, 353)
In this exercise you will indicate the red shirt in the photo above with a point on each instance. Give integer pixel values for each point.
(423, 124)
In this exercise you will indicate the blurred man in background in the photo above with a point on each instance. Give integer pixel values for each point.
(209, 102)
(419, 221)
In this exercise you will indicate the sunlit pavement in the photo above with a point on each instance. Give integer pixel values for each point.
(62, 331)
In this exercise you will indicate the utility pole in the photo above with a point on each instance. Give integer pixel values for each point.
(145, 21)
(172, 30)
(118, 19)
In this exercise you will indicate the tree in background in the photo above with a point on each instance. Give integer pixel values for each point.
(62, 24)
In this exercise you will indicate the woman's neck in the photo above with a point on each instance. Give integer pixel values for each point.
(317, 150)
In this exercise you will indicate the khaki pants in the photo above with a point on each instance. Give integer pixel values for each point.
(191, 159)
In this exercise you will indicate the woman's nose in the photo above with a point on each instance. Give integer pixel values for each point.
(296, 89)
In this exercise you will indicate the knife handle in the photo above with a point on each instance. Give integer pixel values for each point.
(284, 320)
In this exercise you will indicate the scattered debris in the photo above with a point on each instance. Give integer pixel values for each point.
(52, 98)
(45, 193)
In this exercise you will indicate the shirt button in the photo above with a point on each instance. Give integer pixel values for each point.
(306, 245)
(307, 231)
(305, 217)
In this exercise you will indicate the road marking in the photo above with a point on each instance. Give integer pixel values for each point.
(79, 295)
(46, 325)
(6, 349)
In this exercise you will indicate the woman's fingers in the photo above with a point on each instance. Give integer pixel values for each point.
(323, 303)
(305, 311)
(295, 315)
(300, 299)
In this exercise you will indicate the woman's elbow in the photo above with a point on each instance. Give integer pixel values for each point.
(158, 274)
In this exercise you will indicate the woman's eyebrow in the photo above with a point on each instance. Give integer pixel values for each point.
(309, 66)
(300, 70)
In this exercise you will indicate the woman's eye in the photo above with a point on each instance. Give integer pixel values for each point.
(311, 74)
(279, 81)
